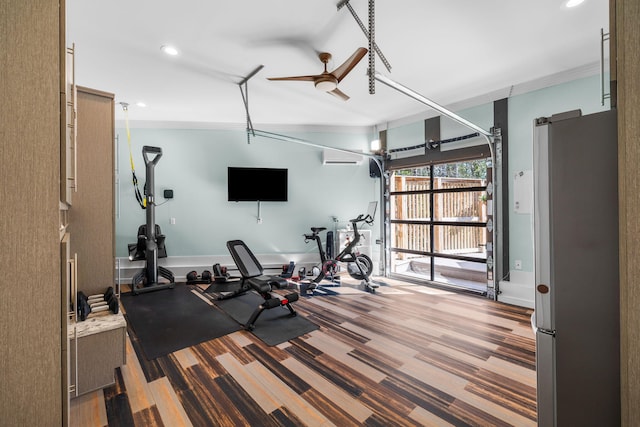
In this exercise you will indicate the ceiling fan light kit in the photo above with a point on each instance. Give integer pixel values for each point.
(326, 83)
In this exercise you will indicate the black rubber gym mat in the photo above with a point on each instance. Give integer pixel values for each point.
(216, 289)
(172, 319)
(274, 326)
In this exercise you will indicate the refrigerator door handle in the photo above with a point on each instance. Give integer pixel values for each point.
(547, 332)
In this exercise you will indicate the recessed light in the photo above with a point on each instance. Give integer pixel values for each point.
(574, 3)
(141, 104)
(169, 50)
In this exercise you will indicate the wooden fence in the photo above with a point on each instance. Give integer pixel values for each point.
(450, 207)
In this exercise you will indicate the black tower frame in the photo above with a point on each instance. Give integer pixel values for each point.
(148, 277)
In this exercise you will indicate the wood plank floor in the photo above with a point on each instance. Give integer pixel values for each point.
(407, 355)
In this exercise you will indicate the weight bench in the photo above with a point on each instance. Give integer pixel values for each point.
(254, 279)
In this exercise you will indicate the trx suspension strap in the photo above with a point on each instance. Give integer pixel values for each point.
(141, 200)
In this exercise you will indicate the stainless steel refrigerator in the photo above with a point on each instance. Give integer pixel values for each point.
(576, 270)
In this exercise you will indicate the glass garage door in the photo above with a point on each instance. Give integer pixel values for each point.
(438, 224)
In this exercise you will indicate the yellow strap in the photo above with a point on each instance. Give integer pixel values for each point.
(126, 121)
(141, 200)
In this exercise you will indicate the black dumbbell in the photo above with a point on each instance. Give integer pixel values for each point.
(106, 296)
(206, 276)
(101, 303)
(98, 302)
(192, 276)
(194, 279)
(220, 273)
(84, 308)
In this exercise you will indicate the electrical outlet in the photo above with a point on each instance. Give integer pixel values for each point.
(173, 221)
(518, 264)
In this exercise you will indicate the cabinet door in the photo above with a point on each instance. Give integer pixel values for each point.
(92, 219)
(96, 358)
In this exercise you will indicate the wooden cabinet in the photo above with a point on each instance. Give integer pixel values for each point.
(30, 307)
(97, 348)
(91, 217)
(97, 345)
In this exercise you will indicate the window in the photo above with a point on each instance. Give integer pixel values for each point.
(438, 223)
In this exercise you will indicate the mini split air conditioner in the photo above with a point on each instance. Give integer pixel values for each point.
(335, 157)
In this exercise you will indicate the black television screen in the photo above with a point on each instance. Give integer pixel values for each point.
(257, 184)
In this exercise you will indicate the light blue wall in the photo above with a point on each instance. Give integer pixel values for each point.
(194, 165)
(405, 136)
(581, 94)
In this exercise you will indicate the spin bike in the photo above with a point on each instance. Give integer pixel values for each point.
(359, 266)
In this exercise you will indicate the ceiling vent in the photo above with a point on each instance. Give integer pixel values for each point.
(335, 157)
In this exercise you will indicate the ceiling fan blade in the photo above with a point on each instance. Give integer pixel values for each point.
(295, 78)
(339, 94)
(348, 65)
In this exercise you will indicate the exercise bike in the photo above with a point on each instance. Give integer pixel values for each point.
(359, 266)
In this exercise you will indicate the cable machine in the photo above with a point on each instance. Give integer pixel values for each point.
(148, 277)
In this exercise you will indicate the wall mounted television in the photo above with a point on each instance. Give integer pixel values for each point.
(257, 184)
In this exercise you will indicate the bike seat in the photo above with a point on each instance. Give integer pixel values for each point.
(316, 230)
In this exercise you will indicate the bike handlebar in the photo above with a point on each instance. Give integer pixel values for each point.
(361, 218)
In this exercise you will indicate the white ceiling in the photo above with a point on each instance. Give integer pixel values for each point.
(448, 51)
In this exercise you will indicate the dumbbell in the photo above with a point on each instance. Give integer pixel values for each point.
(106, 296)
(206, 276)
(101, 303)
(85, 308)
(98, 299)
(220, 273)
(98, 302)
(193, 278)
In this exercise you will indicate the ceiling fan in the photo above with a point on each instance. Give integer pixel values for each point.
(328, 81)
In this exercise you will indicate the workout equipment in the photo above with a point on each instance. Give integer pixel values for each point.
(254, 279)
(194, 279)
(328, 81)
(137, 251)
(85, 307)
(136, 188)
(106, 296)
(206, 275)
(220, 274)
(359, 266)
(287, 270)
(98, 302)
(148, 277)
